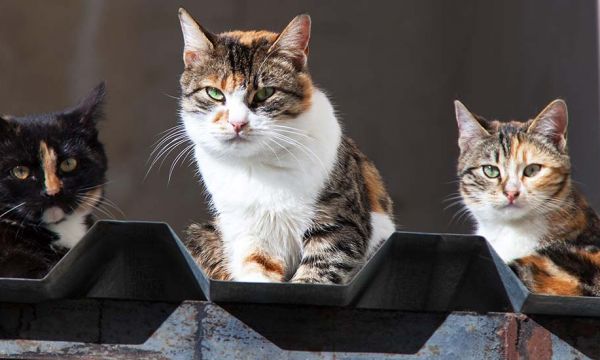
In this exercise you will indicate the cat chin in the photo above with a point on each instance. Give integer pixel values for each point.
(53, 215)
(505, 214)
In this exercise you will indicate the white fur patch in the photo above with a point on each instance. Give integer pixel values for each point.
(382, 228)
(513, 240)
(69, 231)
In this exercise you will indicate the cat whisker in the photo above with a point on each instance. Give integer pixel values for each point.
(453, 204)
(272, 150)
(171, 96)
(97, 206)
(11, 209)
(109, 203)
(286, 149)
(293, 132)
(164, 153)
(168, 135)
(307, 151)
(20, 227)
(184, 152)
(158, 144)
(287, 127)
(94, 187)
(459, 215)
(165, 142)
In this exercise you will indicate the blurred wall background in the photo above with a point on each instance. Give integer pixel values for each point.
(391, 67)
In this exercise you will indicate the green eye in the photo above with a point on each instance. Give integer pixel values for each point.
(263, 94)
(215, 94)
(68, 165)
(20, 172)
(491, 171)
(532, 170)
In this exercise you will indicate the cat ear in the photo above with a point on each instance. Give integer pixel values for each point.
(5, 123)
(293, 40)
(197, 40)
(89, 109)
(469, 127)
(552, 123)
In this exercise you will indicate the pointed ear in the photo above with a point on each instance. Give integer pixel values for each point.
(293, 40)
(89, 109)
(5, 123)
(197, 40)
(552, 123)
(469, 127)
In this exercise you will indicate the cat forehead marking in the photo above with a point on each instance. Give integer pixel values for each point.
(249, 38)
(48, 156)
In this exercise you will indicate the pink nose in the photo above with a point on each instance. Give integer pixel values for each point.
(511, 195)
(238, 125)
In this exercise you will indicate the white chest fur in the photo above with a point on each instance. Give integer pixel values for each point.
(513, 240)
(268, 203)
(70, 230)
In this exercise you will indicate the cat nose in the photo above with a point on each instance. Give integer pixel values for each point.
(49, 193)
(238, 125)
(511, 195)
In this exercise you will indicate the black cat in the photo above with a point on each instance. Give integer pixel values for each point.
(52, 176)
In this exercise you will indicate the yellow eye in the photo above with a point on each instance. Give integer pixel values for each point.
(68, 165)
(263, 94)
(532, 170)
(491, 171)
(20, 172)
(215, 94)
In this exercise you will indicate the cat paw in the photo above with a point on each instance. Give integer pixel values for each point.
(310, 280)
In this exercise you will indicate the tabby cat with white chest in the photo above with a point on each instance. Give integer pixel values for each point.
(515, 179)
(52, 175)
(294, 199)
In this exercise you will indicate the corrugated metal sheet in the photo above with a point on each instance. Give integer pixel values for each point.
(105, 329)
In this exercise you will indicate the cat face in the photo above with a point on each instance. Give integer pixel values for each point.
(242, 92)
(513, 170)
(52, 164)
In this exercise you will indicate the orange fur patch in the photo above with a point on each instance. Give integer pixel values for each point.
(249, 37)
(549, 278)
(51, 181)
(375, 188)
(269, 266)
(221, 116)
(307, 88)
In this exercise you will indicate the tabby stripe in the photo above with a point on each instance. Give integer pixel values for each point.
(193, 92)
(320, 231)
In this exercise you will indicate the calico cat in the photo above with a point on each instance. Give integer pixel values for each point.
(52, 174)
(294, 199)
(515, 180)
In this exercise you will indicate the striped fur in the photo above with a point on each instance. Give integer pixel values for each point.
(541, 225)
(294, 200)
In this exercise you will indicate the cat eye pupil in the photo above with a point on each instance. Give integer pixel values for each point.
(264, 93)
(215, 94)
(20, 172)
(491, 171)
(532, 170)
(68, 165)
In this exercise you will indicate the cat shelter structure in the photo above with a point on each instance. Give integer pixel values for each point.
(131, 290)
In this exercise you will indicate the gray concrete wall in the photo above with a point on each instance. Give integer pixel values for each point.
(391, 67)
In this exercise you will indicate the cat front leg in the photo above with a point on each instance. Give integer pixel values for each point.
(331, 255)
(206, 246)
(251, 262)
